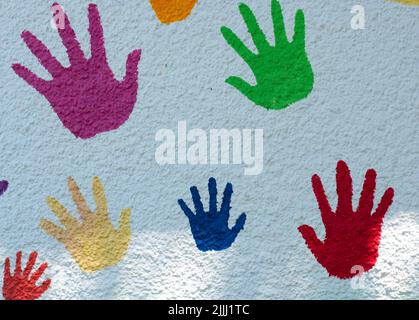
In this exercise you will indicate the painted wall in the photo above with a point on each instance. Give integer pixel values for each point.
(363, 109)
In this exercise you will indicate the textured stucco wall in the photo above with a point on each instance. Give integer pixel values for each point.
(363, 109)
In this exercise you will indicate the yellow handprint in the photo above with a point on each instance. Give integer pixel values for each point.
(93, 242)
(408, 2)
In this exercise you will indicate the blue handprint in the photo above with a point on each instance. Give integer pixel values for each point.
(210, 229)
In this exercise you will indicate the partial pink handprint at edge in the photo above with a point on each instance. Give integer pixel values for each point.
(86, 96)
(3, 186)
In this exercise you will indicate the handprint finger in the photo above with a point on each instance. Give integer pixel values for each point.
(7, 274)
(69, 39)
(240, 85)
(131, 75)
(44, 56)
(3, 186)
(278, 22)
(383, 206)
(43, 287)
(343, 188)
(61, 213)
(252, 25)
(32, 79)
(125, 223)
(225, 205)
(234, 41)
(30, 264)
(53, 230)
(324, 206)
(38, 273)
(366, 201)
(299, 28)
(97, 44)
(79, 200)
(311, 239)
(188, 212)
(239, 224)
(100, 198)
(212, 190)
(196, 197)
(18, 266)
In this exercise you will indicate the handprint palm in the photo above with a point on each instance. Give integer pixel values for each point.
(283, 72)
(22, 285)
(210, 229)
(352, 237)
(94, 243)
(86, 96)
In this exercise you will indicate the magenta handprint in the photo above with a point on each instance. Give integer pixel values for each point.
(86, 96)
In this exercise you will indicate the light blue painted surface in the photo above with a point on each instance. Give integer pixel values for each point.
(363, 109)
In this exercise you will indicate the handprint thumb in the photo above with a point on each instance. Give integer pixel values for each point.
(125, 222)
(133, 59)
(239, 224)
(313, 243)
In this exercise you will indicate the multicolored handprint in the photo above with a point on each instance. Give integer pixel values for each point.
(93, 242)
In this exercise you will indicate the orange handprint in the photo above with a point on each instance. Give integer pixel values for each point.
(169, 11)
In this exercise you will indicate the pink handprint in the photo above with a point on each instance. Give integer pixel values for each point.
(86, 96)
(22, 285)
(352, 237)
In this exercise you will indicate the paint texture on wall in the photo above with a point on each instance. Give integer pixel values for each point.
(345, 94)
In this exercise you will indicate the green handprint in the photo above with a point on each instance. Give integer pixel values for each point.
(283, 72)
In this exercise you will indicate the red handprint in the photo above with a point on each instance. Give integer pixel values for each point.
(352, 237)
(22, 286)
(86, 96)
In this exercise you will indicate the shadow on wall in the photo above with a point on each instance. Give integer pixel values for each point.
(288, 273)
(169, 266)
(393, 277)
(70, 283)
(157, 266)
